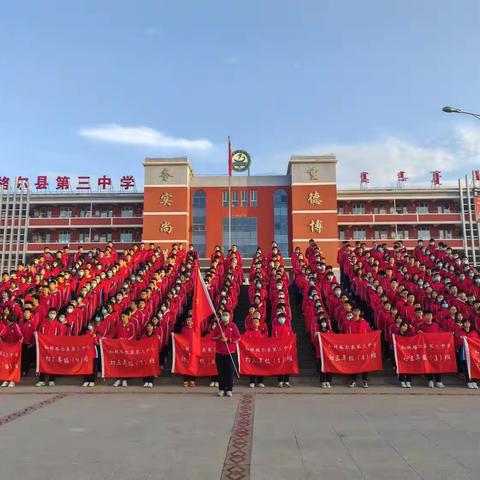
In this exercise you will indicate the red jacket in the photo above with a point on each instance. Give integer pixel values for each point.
(233, 336)
(11, 333)
(354, 326)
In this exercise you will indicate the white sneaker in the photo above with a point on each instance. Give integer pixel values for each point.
(124, 383)
(5, 384)
(91, 384)
(475, 386)
(51, 383)
(261, 385)
(216, 384)
(403, 384)
(431, 384)
(212, 384)
(117, 383)
(409, 385)
(251, 385)
(365, 384)
(150, 385)
(439, 385)
(280, 384)
(329, 385)
(85, 384)
(470, 385)
(40, 384)
(287, 385)
(229, 393)
(145, 385)
(11, 384)
(221, 393)
(353, 385)
(323, 385)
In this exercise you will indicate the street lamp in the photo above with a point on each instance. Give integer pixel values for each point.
(448, 109)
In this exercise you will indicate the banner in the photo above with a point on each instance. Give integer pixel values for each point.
(10, 361)
(349, 354)
(65, 355)
(472, 357)
(182, 357)
(268, 356)
(425, 353)
(130, 358)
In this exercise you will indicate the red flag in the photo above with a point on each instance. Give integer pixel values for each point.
(472, 356)
(425, 353)
(202, 308)
(350, 353)
(10, 361)
(229, 157)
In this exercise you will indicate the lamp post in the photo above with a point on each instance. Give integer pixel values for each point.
(448, 109)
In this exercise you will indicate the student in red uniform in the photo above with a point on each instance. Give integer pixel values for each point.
(405, 330)
(256, 332)
(357, 325)
(468, 332)
(149, 333)
(125, 330)
(89, 380)
(281, 329)
(28, 326)
(226, 337)
(187, 332)
(11, 333)
(325, 378)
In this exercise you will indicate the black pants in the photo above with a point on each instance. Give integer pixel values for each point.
(225, 371)
(148, 379)
(256, 379)
(93, 375)
(465, 371)
(325, 377)
(43, 377)
(284, 378)
(364, 377)
(28, 357)
(436, 377)
(189, 378)
(405, 378)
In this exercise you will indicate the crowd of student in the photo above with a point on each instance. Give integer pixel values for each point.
(103, 293)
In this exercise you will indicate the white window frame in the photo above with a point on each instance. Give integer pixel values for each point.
(358, 209)
(225, 199)
(253, 198)
(359, 233)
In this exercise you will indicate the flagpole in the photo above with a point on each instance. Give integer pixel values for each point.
(229, 194)
(217, 319)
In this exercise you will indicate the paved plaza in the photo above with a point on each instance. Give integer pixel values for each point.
(168, 433)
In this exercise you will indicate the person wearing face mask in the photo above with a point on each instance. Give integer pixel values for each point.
(256, 332)
(282, 329)
(465, 332)
(322, 327)
(89, 380)
(226, 337)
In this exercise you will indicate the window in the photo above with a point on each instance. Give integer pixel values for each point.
(253, 198)
(423, 233)
(126, 236)
(422, 207)
(83, 237)
(244, 235)
(379, 209)
(102, 237)
(84, 212)
(234, 199)
(65, 212)
(104, 213)
(63, 237)
(126, 212)
(244, 198)
(199, 222)
(401, 209)
(402, 234)
(41, 238)
(225, 198)
(445, 234)
(341, 234)
(443, 208)
(280, 220)
(341, 209)
(359, 234)
(381, 234)
(358, 208)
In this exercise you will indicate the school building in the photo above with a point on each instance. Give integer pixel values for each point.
(177, 205)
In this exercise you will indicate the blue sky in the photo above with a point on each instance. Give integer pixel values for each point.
(93, 87)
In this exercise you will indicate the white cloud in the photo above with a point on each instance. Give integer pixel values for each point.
(142, 136)
(383, 159)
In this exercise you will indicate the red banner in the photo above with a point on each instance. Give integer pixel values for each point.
(472, 357)
(425, 353)
(268, 356)
(130, 358)
(10, 361)
(182, 357)
(349, 354)
(65, 355)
